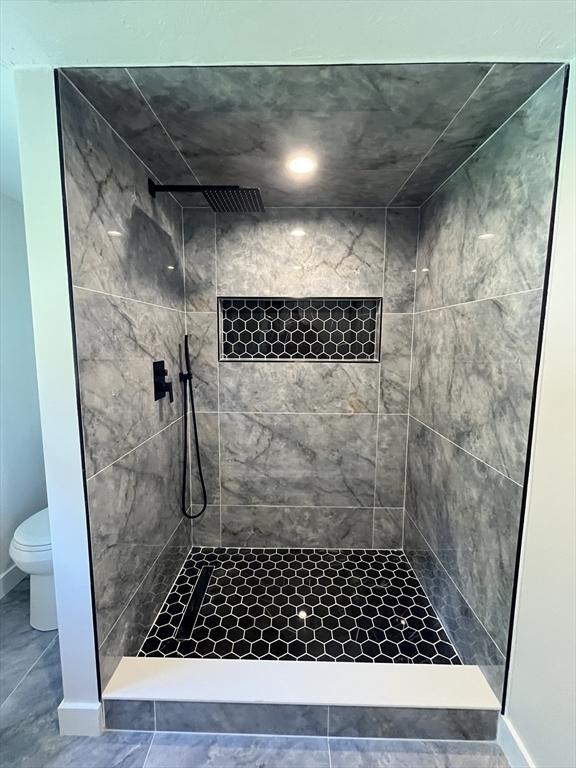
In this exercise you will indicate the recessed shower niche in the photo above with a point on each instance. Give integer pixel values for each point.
(299, 329)
(362, 354)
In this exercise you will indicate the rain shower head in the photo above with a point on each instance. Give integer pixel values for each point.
(221, 198)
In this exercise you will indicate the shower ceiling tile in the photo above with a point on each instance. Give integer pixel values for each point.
(115, 95)
(121, 240)
(485, 233)
(504, 90)
(380, 132)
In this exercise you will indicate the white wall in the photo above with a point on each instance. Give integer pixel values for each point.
(541, 703)
(79, 713)
(22, 483)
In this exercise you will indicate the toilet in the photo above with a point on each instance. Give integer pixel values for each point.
(31, 551)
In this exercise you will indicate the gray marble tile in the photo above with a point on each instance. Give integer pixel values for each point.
(206, 529)
(126, 715)
(473, 375)
(473, 643)
(134, 508)
(141, 606)
(401, 249)
(182, 750)
(411, 723)
(503, 91)
(383, 753)
(20, 644)
(209, 454)
(297, 459)
(260, 719)
(391, 461)
(202, 330)
(299, 387)
(485, 232)
(200, 259)
(340, 253)
(388, 522)
(29, 728)
(469, 514)
(369, 124)
(396, 347)
(107, 191)
(330, 527)
(117, 342)
(113, 93)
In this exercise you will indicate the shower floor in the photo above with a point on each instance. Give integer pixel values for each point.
(300, 604)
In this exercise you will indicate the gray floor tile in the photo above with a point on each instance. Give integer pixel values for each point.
(180, 750)
(393, 753)
(20, 645)
(29, 728)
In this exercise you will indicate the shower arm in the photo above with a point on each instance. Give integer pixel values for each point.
(153, 188)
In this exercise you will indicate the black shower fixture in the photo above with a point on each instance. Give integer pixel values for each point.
(222, 198)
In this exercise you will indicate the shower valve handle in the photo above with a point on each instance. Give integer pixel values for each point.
(161, 386)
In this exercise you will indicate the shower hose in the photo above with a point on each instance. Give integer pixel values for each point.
(186, 379)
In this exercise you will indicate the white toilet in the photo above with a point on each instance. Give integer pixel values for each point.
(31, 550)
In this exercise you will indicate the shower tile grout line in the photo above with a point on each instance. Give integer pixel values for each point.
(218, 419)
(134, 592)
(378, 391)
(161, 124)
(477, 301)
(410, 377)
(500, 127)
(452, 121)
(457, 588)
(303, 413)
(127, 298)
(520, 485)
(123, 456)
(114, 131)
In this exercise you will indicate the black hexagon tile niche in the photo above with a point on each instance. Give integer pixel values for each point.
(307, 605)
(300, 329)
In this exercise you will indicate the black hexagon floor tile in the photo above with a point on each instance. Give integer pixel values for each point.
(302, 604)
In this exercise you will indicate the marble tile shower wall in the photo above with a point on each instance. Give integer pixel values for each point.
(481, 263)
(302, 454)
(129, 309)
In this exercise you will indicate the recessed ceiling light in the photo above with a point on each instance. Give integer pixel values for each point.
(297, 232)
(486, 236)
(302, 164)
(114, 233)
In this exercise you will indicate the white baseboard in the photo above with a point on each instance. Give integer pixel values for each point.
(512, 745)
(9, 579)
(80, 718)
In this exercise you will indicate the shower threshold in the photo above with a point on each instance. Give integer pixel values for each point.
(320, 605)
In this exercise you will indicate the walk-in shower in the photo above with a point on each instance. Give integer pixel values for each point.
(356, 258)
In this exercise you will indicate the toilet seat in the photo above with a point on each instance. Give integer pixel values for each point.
(33, 535)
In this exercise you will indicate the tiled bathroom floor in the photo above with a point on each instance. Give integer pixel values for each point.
(29, 728)
(301, 604)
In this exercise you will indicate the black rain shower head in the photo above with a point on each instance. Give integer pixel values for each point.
(221, 198)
